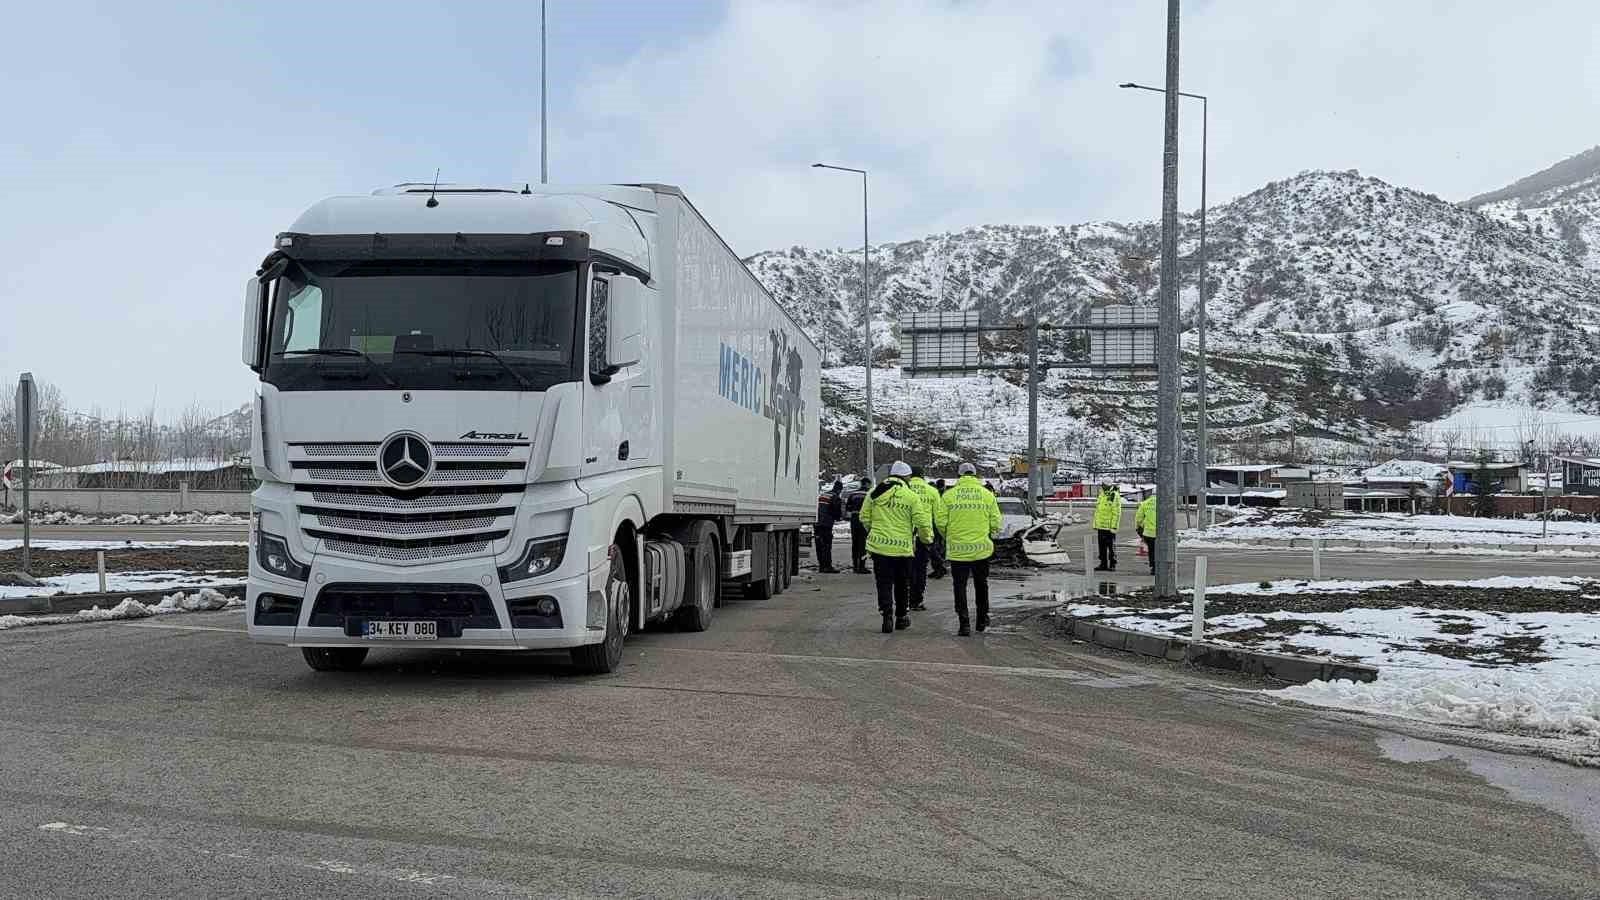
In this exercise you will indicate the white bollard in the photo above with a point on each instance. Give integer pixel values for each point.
(100, 564)
(1197, 631)
(1316, 559)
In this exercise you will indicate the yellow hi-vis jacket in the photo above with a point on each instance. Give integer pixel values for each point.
(1108, 511)
(969, 517)
(895, 519)
(929, 495)
(1144, 518)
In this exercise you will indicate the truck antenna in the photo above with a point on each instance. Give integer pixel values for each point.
(432, 200)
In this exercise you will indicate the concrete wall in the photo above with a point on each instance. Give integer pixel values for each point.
(119, 502)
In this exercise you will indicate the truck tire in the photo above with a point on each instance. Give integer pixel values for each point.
(606, 656)
(703, 586)
(786, 560)
(768, 585)
(334, 659)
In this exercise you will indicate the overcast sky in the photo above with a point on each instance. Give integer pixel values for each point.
(153, 149)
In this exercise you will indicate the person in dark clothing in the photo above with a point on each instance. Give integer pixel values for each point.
(858, 531)
(830, 509)
(940, 485)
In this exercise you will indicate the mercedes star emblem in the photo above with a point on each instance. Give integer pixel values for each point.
(405, 459)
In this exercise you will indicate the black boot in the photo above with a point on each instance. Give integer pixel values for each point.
(888, 624)
(964, 631)
(983, 623)
(901, 623)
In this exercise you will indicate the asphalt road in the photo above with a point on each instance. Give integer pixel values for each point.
(792, 751)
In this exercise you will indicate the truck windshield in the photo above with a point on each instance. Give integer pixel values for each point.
(474, 325)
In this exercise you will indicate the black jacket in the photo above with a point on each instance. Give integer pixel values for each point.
(830, 509)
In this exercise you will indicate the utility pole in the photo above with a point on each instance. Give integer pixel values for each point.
(544, 144)
(1168, 372)
(1033, 405)
(866, 303)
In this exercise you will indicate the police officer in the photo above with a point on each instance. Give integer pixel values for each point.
(830, 509)
(858, 531)
(926, 552)
(896, 518)
(1107, 520)
(969, 517)
(1144, 522)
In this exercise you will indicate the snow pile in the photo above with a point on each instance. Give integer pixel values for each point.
(65, 517)
(1338, 586)
(1397, 529)
(204, 599)
(13, 544)
(89, 582)
(1563, 703)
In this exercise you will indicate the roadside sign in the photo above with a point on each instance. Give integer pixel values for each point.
(1122, 347)
(941, 344)
(7, 480)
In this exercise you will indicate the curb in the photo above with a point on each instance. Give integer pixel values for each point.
(1282, 666)
(71, 603)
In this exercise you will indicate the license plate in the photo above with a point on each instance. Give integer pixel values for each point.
(402, 631)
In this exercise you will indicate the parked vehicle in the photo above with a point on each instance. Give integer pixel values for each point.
(518, 418)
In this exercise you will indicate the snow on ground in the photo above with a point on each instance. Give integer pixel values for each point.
(1502, 423)
(1527, 673)
(1397, 528)
(204, 599)
(89, 582)
(114, 545)
(61, 517)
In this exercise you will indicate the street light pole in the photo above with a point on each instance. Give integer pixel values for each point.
(1202, 445)
(544, 144)
(866, 303)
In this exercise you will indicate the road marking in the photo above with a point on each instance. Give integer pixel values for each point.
(333, 866)
(175, 627)
(1091, 679)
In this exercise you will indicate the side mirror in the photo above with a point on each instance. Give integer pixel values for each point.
(255, 308)
(625, 321)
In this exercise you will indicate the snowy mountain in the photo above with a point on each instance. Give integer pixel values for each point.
(1345, 313)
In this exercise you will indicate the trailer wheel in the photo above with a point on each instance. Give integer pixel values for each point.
(786, 560)
(606, 656)
(704, 584)
(334, 659)
(768, 585)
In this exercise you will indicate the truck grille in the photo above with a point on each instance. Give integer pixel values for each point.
(463, 605)
(466, 504)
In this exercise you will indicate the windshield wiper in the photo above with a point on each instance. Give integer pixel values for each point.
(474, 351)
(345, 351)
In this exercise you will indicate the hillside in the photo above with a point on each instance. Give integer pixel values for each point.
(1559, 204)
(1345, 313)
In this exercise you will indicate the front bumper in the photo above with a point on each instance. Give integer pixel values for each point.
(577, 595)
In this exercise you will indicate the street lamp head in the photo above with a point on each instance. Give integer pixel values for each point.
(818, 166)
(1127, 84)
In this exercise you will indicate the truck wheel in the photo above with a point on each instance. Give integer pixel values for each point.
(606, 656)
(786, 560)
(704, 582)
(768, 585)
(334, 659)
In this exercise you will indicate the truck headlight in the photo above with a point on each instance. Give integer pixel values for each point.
(539, 556)
(272, 553)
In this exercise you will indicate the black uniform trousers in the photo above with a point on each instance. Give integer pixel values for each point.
(858, 545)
(978, 571)
(893, 577)
(1108, 548)
(822, 542)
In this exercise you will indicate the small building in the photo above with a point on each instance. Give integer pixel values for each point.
(1314, 494)
(1377, 500)
(165, 475)
(1501, 477)
(1579, 475)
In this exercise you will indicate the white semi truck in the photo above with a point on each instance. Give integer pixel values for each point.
(507, 418)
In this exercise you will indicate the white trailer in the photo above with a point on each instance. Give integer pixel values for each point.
(508, 418)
